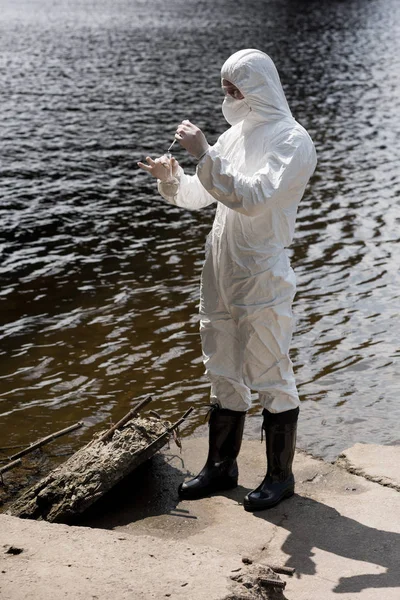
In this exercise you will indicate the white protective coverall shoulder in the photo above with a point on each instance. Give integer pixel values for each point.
(256, 172)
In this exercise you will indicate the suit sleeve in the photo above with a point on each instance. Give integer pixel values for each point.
(287, 168)
(187, 193)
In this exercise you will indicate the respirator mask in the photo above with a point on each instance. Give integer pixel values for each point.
(235, 110)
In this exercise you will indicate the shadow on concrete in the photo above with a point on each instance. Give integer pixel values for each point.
(315, 525)
(149, 491)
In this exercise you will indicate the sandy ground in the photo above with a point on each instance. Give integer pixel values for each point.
(340, 532)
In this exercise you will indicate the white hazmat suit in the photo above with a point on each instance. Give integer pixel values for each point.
(256, 172)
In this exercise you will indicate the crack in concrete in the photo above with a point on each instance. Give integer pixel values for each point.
(345, 464)
(310, 479)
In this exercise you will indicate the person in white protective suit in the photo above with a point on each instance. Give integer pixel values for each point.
(256, 173)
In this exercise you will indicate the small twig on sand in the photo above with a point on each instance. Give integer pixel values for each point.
(282, 570)
(46, 440)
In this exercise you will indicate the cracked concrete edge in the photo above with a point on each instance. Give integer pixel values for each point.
(344, 463)
(348, 459)
(314, 456)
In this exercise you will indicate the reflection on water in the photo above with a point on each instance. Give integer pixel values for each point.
(99, 277)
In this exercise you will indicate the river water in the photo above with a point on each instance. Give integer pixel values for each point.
(99, 277)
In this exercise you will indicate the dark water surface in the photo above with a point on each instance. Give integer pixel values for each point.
(99, 277)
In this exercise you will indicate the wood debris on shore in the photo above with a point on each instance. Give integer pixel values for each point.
(256, 582)
(93, 470)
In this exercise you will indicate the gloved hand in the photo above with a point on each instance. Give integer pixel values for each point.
(192, 139)
(161, 167)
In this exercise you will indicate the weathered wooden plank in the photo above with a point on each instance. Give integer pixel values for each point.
(92, 471)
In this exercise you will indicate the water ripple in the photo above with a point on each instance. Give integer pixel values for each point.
(99, 278)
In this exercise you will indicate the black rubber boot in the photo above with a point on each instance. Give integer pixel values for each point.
(280, 436)
(220, 471)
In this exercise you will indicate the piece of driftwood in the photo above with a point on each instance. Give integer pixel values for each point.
(92, 471)
(46, 440)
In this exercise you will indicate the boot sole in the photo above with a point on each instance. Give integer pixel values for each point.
(249, 507)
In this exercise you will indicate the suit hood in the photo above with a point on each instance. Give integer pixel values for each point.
(255, 75)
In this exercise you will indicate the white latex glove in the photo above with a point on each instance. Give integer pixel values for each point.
(161, 168)
(192, 139)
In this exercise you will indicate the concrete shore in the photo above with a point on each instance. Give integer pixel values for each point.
(340, 532)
